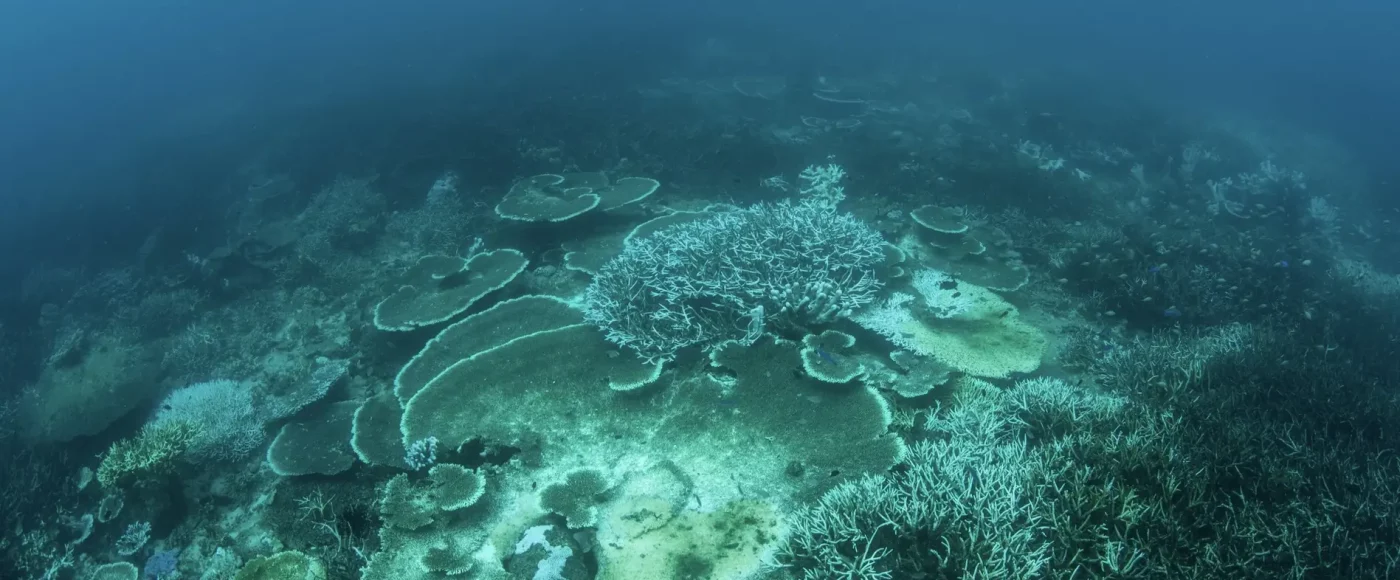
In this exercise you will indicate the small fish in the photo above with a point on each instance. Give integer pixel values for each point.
(826, 356)
(1282, 263)
(1171, 312)
(1155, 269)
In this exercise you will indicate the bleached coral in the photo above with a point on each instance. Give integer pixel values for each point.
(701, 282)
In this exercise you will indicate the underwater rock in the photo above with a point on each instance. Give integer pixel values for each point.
(963, 326)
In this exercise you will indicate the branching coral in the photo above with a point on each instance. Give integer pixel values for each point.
(1226, 462)
(727, 276)
(152, 452)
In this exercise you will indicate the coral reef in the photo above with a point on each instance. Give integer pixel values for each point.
(966, 339)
